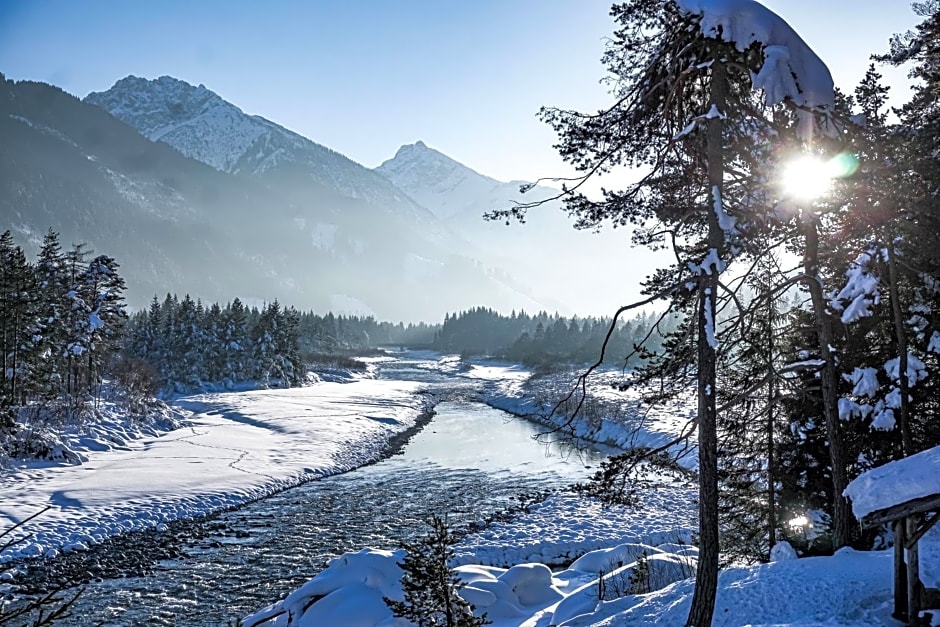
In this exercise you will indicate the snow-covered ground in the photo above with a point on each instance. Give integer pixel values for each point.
(235, 447)
(849, 588)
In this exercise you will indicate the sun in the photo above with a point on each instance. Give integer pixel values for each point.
(808, 177)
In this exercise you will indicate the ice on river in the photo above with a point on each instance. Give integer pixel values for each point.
(235, 448)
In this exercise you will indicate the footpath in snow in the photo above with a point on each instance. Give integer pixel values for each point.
(235, 447)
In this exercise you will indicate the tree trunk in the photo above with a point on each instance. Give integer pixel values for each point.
(706, 576)
(841, 515)
(907, 442)
(771, 399)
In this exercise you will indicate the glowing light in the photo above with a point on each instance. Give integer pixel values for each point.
(798, 522)
(808, 177)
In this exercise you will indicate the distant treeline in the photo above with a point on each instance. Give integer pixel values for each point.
(330, 334)
(544, 339)
(186, 342)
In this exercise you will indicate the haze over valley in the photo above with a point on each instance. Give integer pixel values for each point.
(192, 195)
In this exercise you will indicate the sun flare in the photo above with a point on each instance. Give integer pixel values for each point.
(808, 177)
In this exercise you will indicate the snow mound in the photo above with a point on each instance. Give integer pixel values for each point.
(349, 592)
(565, 526)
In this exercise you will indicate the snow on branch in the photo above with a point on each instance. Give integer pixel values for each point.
(791, 70)
(861, 288)
(916, 369)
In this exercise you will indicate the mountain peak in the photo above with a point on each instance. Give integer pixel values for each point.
(195, 120)
(447, 187)
(166, 91)
(419, 148)
(435, 180)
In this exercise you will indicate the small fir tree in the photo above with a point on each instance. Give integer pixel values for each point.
(430, 586)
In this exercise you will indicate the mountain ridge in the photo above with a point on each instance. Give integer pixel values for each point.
(204, 126)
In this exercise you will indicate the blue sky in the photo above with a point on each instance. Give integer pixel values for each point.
(365, 77)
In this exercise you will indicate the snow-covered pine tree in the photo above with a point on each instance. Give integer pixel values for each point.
(187, 343)
(104, 290)
(152, 345)
(19, 323)
(289, 347)
(918, 231)
(430, 586)
(235, 340)
(214, 349)
(76, 321)
(263, 335)
(51, 277)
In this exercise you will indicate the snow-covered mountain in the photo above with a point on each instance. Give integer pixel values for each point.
(290, 230)
(203, 126)
(451, 190)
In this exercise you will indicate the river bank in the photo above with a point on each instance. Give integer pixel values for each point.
(235, 448)
(239, 447)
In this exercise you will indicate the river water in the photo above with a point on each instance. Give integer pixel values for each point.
(470, 463)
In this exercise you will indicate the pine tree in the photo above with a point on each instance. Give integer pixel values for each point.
(51, 277)
(214, 349)
(235, 340)
(686, 113)
(430, 586)
(104, 290)
(750, 425)
(76, 321)
(263, 336)
(19, 322)
(187, 343)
